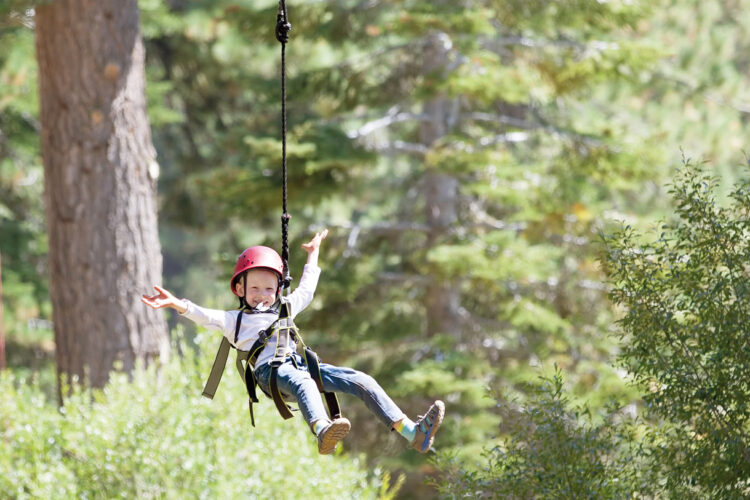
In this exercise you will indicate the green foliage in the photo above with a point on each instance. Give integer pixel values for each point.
(23, 242)
(696, 97)
(12, 10)
(154, 436)
(553, 449)
(685, 329)
(534, 161)
(556, 115)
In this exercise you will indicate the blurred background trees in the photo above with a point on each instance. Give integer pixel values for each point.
(466, 157)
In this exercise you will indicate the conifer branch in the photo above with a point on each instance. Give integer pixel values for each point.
(541, 124)
(485, 220)
(694, 88)
(491, 140)
(392, 116)
(741, 107)
(562, 43)
(411, 148)
(404, 277)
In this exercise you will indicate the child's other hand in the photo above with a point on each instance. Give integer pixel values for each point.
(314, 243)
(163, 299)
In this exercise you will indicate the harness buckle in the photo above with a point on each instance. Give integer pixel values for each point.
(264, 334)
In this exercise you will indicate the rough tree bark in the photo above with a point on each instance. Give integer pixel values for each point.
(100, 186)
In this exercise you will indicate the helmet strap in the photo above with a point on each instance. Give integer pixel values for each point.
(244, 288)
(243, 302)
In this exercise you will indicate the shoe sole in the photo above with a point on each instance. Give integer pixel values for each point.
(335, 433)
(430, 437)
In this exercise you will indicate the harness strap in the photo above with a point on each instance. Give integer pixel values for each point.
(244, 363)
(237, 325)
(217, 370)
(238, 362)
(313, 365)
(278, 399)
(285, 329)
(250, 384)
(247, 372)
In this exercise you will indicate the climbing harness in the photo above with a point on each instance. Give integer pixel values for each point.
(283, 329)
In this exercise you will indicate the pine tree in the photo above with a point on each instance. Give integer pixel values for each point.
(100, 188)
(455, 151)
(495, 166)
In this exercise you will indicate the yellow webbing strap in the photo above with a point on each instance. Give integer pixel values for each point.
(217, 370)
(312, 360)
(278, 399)
(242, 356)
(284, 329)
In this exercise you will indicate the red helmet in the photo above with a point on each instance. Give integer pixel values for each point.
(257, 257)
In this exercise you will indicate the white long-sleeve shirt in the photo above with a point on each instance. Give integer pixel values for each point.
(253, 324)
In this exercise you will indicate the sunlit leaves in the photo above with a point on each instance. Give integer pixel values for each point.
(554, 449)
(685, 296)
(151, 435)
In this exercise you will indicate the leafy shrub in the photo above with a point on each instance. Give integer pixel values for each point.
(686, 326)
(154, 436)
(553, 450)
(685, 296)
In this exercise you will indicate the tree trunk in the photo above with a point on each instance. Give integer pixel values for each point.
(442, 299)
(100, 187)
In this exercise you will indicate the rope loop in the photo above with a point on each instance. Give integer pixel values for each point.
(283, 27)
(286, 280)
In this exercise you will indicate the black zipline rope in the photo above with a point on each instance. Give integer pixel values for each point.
(282, 35)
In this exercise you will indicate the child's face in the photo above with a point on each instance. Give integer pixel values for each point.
(261, 287)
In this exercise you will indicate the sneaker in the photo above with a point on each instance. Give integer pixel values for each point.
(329, 436)
(427, 426)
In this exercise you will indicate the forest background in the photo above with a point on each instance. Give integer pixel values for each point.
(467, 157)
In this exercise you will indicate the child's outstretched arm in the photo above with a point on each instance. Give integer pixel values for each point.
(301, 297)
(313, 246)
(164, 299)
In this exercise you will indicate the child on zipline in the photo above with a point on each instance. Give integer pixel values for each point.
(257, 281)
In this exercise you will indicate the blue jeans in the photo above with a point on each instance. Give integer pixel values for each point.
(296, 383)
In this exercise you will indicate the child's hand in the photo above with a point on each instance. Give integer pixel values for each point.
(314, 243)
(164, 299)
